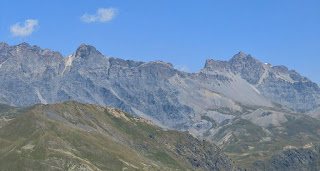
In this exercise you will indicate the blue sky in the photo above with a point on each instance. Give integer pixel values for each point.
(185, 33)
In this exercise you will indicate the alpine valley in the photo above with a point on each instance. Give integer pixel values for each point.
(241, 114)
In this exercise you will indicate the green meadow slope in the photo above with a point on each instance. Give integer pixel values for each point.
(262, 135)
(75, 136)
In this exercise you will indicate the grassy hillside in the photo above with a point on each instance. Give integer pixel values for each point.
(75, 136)
(246, 142)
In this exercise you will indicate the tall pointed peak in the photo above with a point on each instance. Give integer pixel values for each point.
(85, 50)
(85, 46)
(243, 58)
(239, 55)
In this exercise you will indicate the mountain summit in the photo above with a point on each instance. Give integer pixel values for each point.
(262, 84)
(84, 51)
(213, 103)
(240, 55)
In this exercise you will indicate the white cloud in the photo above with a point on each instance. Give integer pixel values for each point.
(102, 15)
(25, 30)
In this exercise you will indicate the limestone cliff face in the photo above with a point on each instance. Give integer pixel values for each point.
(277, 83)
(214, 103)
(154, 90)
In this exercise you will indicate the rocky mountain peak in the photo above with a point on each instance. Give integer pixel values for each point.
(241, 54)
(242, 58)
(238, 62)
(208, 63)
(124, 63)
(24, 45)
(3, 45)
(130, 79)
(214, 65)
(36, 48)
(84, 51)
(167, 64)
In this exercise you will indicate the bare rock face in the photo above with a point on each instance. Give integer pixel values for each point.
(154, 90)
(277, 83)
(241, 101)
(30, 75)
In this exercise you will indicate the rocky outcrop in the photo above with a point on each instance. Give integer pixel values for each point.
(278, 83)
(304, 159)
(154, 90)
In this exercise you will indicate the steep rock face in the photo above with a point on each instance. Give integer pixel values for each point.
(301, 96)
(277, 83)
(241, 101)
(249, 68)
(30, 75)
(26, 71)
(154, 90)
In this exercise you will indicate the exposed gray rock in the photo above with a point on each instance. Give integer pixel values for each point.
(153, 90)
(303, 159)
(214, 103)
(266, 118)
(278, 83)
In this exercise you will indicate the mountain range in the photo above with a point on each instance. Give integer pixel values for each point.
(252, 110)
